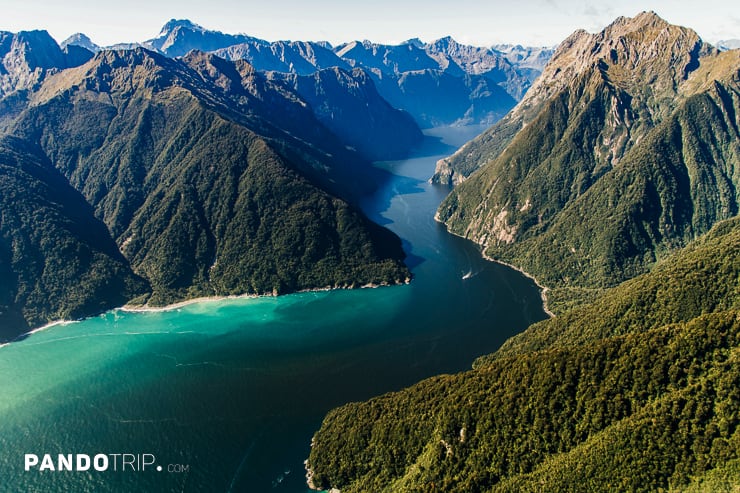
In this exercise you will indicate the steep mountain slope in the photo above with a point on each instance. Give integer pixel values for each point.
(442, 82)
(636, 392)
(205, 173)
(635, 65)
(349, 105)
(626, 148)
(57, 261)
(27, 57)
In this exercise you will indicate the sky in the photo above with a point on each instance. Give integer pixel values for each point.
(477, 22)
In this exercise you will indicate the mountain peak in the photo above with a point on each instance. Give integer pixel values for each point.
(444, 43)
(414, 42)
(173, 24)
(180, 36)
(641, 51)
(80, 39)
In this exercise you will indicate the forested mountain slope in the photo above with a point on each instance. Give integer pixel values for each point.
(628, 155)
(210, 179)
(636, 392)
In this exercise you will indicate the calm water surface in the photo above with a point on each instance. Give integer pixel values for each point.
(232, 391)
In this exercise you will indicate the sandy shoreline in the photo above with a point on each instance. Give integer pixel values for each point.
(38, 329)
(180, 304)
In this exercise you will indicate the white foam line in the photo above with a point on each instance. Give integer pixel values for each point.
(106, 334)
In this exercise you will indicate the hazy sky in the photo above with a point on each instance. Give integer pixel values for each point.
(480, 22)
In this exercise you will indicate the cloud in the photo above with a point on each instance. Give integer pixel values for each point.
(601, 13)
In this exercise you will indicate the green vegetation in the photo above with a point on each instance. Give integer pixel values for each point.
(609, 173)
(190, 182)
(602, 402)
(623, 153)
(56, 260)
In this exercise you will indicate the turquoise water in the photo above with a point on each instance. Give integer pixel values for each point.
(227, 394)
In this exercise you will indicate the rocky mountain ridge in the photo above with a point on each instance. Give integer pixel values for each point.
(480, 84)
(633, 124)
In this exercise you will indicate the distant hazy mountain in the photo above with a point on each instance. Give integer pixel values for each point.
(625, 148)
(298, 57)
(194, 176)
(178, 37)
(82, 41)
(348, 103)
(728, 44)
(442, 82)
(438, 83)
(529, 61)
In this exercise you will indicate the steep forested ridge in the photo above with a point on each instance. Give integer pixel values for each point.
(633, 157)
(202, 176)
(612, 181)
(57, 261)
(637, 392)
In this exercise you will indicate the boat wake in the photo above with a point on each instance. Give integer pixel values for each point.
(470, 274)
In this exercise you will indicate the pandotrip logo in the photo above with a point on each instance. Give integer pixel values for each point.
(120, 462)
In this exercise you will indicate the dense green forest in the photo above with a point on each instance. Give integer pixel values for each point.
(194, 177)
(614, 182)
(57, 261)
(637, 392)
(572, 198)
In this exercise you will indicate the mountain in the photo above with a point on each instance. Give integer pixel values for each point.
(82, 41)
(622, 151)
(728, 44)
(295, 57)
(440, 83)
(635, 392)
(529, 61)
(178, 37)
(56, 259)
(348, 103)
(27, 57)
(209, 179)
(475, 60)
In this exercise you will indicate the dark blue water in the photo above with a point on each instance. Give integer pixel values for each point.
(227, 394)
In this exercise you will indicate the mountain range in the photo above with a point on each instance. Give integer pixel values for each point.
(138, 177)
(200, 163)
(438, 83)
(614, 182)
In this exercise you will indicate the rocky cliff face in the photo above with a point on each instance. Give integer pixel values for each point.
(27, 57)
